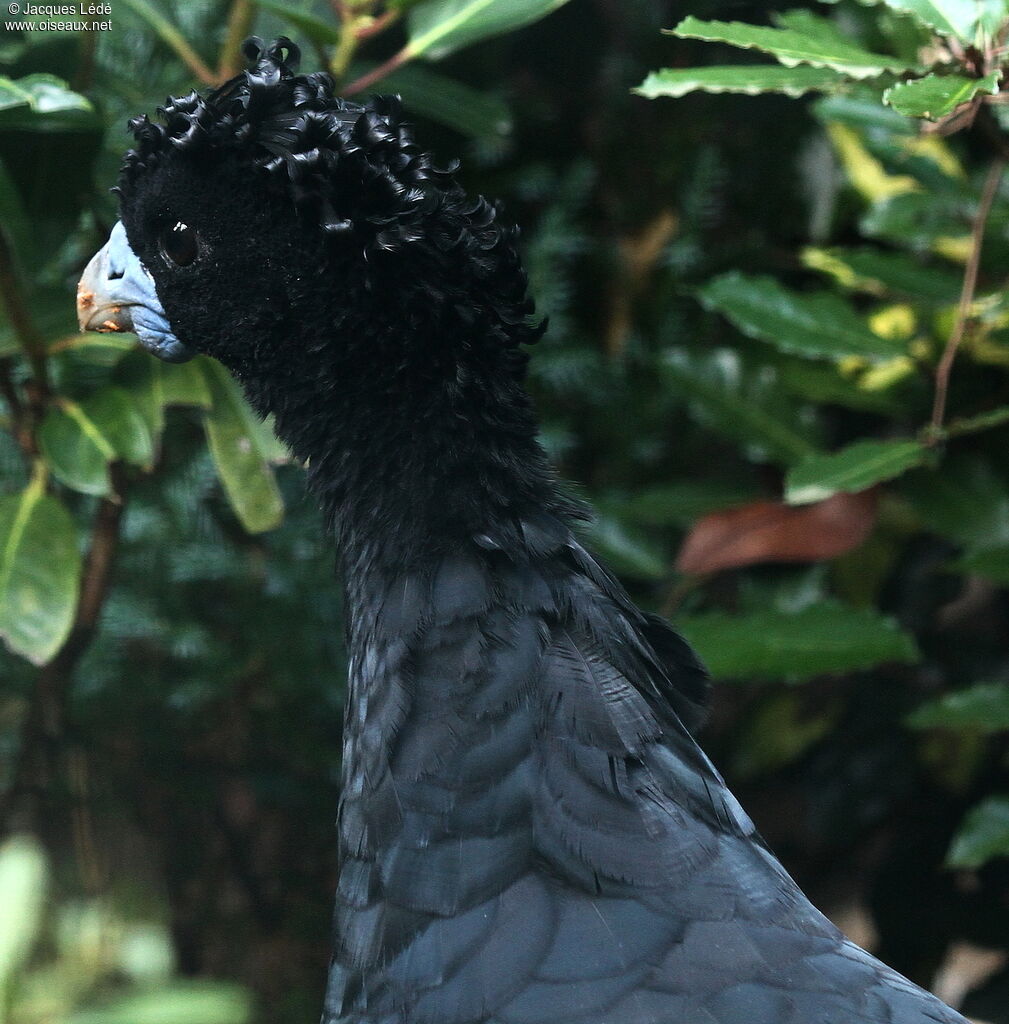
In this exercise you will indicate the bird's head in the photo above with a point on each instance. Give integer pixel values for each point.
(282, 229)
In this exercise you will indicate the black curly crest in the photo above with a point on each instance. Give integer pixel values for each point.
(355, 169)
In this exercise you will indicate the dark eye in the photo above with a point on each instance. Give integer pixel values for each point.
(180, 244)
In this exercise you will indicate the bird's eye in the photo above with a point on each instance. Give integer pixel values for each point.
(179, 244)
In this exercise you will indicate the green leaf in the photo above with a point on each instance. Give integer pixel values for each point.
(115, 414)
(983, 708)
(862, 110)
(22, 895)
(311, 27)
(978, 424)
(750, 79)
(42, 102)
(720, 394)
(40, 569)
(851, 469)
(80, 441)
(947, 17)
(449, 102)
(184, 383)
(983, 835)
(439, 27)
(792, 47)
(180, 1003)
(935, 96)
(825, 383)
(885, 273)
(77, 452)
(815, 325)
(236, 445)
(823, 638)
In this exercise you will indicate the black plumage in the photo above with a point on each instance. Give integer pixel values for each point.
(528, 832)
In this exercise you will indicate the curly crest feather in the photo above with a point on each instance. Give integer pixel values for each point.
(357, 171)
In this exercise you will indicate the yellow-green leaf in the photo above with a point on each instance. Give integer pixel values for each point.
(750, 79)
(851, 469)
(439, 27)
(235, 438)
(792, 46)
(935, 96)
(40, 569)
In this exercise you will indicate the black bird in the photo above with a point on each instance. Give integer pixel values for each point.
(528, 832)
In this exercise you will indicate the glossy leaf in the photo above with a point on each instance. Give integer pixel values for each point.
(42, 102)
(439, 27)
(80, 440)
(947, 17)
(851, 469)
(880, 273)
(184, 383)
(235, 444)
(983, 835)
(823, 638)
(115, 414)
(791, 46)
(935, 96)
(750, 79)
(983, 708)
(40, 569)
(820, 325)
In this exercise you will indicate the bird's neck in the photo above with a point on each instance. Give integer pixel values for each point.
(408, 461)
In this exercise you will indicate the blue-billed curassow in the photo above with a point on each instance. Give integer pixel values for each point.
(528, 832)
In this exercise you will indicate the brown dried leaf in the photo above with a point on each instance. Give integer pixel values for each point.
(771, 531)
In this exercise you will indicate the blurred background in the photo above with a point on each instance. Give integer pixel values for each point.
(738, 288)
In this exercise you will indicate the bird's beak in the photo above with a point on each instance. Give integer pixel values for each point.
(116, 293)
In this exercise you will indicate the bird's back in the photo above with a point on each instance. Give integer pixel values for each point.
(531, 836)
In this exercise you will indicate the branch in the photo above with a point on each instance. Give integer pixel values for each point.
(945, 368)
(377, 73)
(377, 25)
(239, 22)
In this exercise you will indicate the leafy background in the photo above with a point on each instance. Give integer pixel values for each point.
(772, 247)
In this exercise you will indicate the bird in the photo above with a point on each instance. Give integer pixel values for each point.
(528, 830)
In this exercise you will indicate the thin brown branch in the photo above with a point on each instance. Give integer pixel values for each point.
(21, 416)
(43, 730)
(945, 368)
(229, 63)
(377, 73)
(379, 24)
